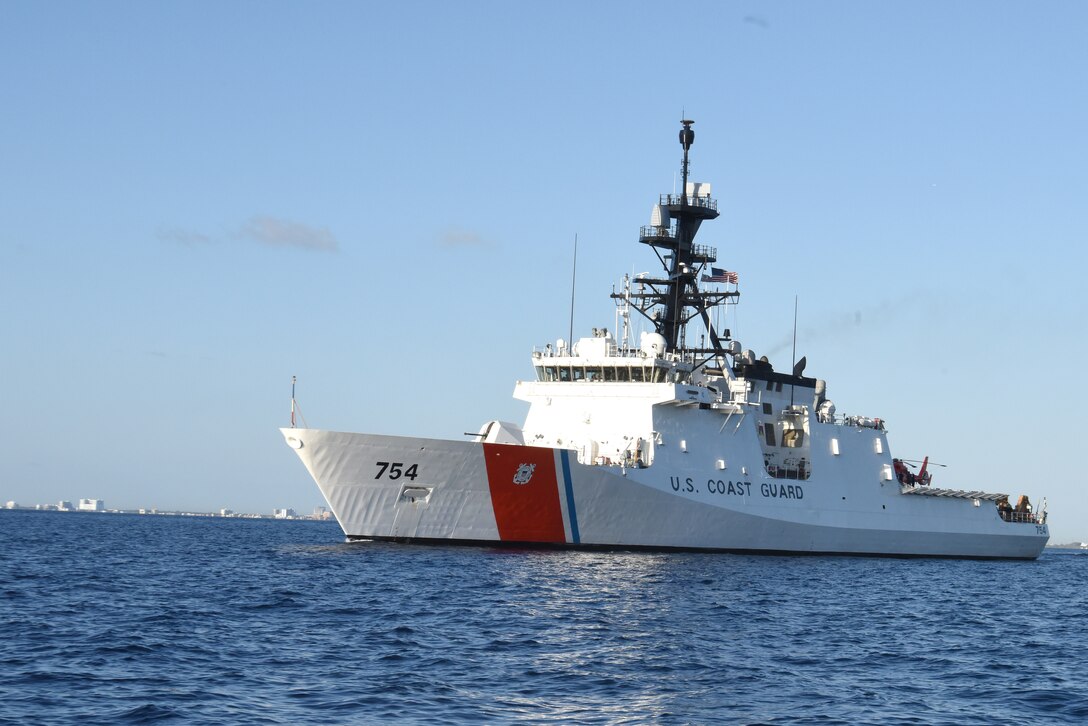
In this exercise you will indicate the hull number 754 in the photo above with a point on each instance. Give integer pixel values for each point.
(395, 470)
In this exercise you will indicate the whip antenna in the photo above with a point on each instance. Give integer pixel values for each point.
(573, 277)
(794, 345)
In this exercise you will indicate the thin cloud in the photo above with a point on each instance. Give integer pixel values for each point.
(275, 232)
(462, 238)
(186, 237)
(757, 20)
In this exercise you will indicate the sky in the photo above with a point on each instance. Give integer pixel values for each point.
(200, 200)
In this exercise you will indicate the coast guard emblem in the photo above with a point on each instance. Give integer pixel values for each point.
(525, 473)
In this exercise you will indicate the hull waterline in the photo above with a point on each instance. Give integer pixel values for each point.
(464, 492)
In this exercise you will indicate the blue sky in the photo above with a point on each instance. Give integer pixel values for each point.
(200, 200)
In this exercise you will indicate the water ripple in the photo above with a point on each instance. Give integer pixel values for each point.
(117, 619)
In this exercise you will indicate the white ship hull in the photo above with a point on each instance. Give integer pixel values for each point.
(402, 488)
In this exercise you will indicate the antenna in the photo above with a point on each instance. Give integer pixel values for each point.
(573, 277)
(674, 324)
(626, 310)
(794, 363)
(673, 301)
(687, 138)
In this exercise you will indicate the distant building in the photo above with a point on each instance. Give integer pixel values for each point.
(284, 513)
(64, 506)
(321, 513)
(91, 505)
(226, 512)
(11, 505)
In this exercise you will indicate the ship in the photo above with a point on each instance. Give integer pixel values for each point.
(678, 438)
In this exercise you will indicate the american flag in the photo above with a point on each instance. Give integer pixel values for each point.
(717, 274)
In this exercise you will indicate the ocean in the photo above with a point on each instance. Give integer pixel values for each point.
(133, 619)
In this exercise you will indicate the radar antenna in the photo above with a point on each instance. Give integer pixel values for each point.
(675, 299)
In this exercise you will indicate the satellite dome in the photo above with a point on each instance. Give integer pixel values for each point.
(653, 344)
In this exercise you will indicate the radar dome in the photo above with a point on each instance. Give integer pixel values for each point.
(659, 217)
(653, 344)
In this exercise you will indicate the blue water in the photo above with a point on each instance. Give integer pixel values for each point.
(128, 619)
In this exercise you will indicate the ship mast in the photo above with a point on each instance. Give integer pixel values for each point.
(674, 300)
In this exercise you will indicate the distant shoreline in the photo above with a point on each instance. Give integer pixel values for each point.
(173, 513)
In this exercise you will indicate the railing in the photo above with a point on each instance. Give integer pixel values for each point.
(788, 472)
(674, 200)
(1021, 517)
(656, 231)
(860, 422)
(792, 468)
(705, 252)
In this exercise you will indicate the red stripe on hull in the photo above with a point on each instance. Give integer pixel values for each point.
(524, 493)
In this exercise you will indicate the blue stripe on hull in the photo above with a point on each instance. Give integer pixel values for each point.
(565, 456)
